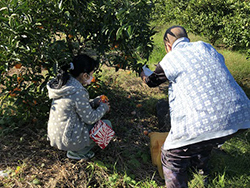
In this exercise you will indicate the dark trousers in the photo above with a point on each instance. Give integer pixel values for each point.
(177, 162)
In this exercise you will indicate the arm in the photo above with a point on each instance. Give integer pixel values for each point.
(87, 114)
(94, 103)
(158, 77)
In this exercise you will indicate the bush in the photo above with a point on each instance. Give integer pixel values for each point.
(37, 37)
(237, 25)
(226, 20)
(159, 11)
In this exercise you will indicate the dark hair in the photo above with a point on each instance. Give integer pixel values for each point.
(82, 64)
(181, 33)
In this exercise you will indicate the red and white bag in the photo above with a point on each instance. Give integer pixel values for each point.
(101, 133)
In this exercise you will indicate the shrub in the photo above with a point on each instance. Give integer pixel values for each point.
(237, 25)
(226, 20)
(37, 37)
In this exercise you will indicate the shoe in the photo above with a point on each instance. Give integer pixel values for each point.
(79, 156)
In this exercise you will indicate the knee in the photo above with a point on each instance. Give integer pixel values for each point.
(108, 122)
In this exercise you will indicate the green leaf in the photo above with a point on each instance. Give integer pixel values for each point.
(129, 30)
(36, 181)
(60, 4)
(119, 33)
(3, 8)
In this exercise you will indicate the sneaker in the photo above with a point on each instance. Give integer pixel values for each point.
(79, 156)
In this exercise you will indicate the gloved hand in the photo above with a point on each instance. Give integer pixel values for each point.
(95, 102)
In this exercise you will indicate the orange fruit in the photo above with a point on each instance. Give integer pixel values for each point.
(138, 105)
(126, 57)
(104, 98)
(40, 26)
(145, 132)
(117, 45)
(18, 65)
(12, 94)
(93, 80)
(70, 36)
(19, 79)
(119, 65)
(34, 102)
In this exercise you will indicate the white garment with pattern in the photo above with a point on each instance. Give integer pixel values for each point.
(69, 114)
(205, 100)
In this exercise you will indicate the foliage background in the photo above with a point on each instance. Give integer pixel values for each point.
(39, 36)
(225, 22)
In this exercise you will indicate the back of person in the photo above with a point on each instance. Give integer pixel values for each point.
(207, 106)
(205, 100)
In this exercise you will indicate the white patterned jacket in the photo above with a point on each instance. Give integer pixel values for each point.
(70, 114)
(205, 101)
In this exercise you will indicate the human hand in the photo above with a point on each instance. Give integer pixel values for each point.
(96, 102)
(143, 76)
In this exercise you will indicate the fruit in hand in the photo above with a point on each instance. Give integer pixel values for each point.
(104, 98)
(93, 80)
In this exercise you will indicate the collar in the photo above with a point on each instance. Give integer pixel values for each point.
(180, 40)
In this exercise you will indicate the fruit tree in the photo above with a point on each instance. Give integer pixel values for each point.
(37, 37)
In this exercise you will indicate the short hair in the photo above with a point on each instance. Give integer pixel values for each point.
(176, 32)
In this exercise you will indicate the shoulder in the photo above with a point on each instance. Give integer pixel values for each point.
(201, 44)
(78, 91)
(81, 93)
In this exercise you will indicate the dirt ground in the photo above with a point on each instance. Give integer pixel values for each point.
(32, 162)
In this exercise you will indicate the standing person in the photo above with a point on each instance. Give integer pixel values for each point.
(72, 115)
(207, 106)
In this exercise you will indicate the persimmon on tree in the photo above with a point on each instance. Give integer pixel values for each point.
(36, 37)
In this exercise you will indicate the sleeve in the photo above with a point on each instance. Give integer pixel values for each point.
(91, 102)
(83, 108)
(156, 78)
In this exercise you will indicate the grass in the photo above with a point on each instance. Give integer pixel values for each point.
(239, 67)
(30, 161)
